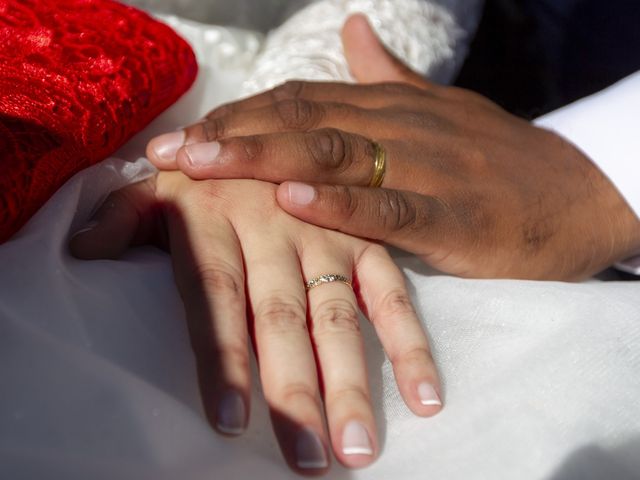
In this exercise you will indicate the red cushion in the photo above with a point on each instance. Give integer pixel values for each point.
(77, 79)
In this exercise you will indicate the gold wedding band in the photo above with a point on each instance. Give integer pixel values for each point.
(328, 278)
(379, 165)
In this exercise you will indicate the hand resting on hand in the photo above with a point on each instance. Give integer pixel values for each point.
(236, 254)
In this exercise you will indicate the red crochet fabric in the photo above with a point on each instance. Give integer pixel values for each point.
(77, 79)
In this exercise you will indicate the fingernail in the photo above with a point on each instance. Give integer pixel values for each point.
(231, 413)
(355, 439)
(166, 146)
(310, 453)
(87, 228)
(428, 394)
(203, 154)
(301, 194)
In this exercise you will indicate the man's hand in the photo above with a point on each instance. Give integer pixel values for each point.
(471, 189)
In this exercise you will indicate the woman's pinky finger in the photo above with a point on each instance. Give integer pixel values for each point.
(386, 302)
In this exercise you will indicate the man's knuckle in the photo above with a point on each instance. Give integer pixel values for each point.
(330, 149)
(398, 212)
(349, 206)
(213, 129)
(281, 315)
(298, 114)
(289, 90)
(221, 111)
(253, 147)
(393, 88)
(249, 149)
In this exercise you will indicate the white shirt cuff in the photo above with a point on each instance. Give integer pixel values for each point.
(605, 127)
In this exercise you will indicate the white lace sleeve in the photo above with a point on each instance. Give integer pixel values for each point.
(431, 36)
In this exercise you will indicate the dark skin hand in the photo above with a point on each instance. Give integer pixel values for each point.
(469, 188)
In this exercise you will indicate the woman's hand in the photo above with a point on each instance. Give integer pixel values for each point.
(235, 251)
(469, 188)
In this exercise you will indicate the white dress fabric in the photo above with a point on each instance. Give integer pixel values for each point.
(430, 35)
(97, 380)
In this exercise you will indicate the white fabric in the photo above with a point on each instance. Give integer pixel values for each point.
(605, 127)
(97, 380)
(430, 35)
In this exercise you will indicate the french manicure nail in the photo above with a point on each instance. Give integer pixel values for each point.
(355, 439)
(301, 194)
(231, 413)
(310, 453)
(428, 394)
(203, 154)
(166, 146)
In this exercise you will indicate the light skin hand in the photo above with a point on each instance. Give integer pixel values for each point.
(471, 189)
(229, 237)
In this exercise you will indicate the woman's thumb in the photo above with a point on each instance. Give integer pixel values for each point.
(369, 60)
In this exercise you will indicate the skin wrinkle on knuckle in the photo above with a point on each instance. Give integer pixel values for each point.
(329, 149)
(290, 392)
(345, 394)
(216, 278)
(221, 111)
(253, 148)
(281, 315)
(393, 311)
(299, 114)
(248, 149)
(395, 303)
(336, 316)
(289, 90)
(213, 129)
(398, 213)
(413, 355)
(344, 203)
